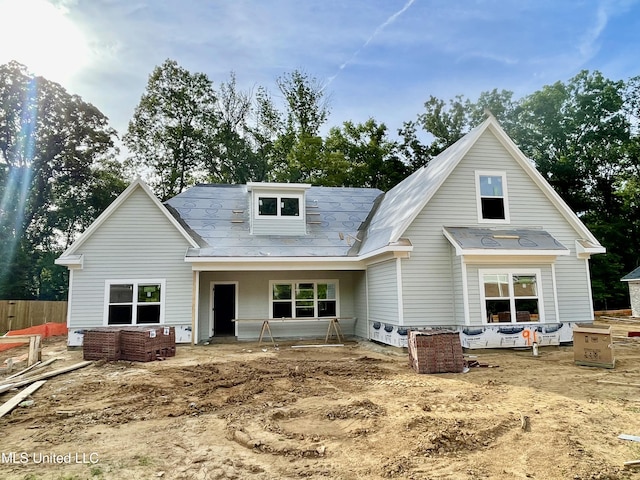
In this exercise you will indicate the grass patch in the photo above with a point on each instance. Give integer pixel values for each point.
(144, 460)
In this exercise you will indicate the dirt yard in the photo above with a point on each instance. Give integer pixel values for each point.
(241, 411)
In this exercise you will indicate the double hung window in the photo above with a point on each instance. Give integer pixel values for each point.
(491, 190)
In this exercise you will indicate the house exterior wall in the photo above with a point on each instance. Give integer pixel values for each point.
(361, 327)
(429, 283)
(137, 242)
(634, 294)
(457, 269)
(384, 300)
(253, 302)
(279, 226)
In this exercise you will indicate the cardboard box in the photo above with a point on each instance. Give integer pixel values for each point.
(592, 346)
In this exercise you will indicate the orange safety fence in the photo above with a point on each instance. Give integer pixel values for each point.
(46, 330)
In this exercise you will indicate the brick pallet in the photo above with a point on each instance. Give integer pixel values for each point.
(135, 344)
(102, 344)
(141, 344)
(435, 351)
(168, 335)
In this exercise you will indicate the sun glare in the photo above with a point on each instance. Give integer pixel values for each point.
(41, 36)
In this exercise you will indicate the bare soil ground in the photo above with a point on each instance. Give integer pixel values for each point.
(244, 411)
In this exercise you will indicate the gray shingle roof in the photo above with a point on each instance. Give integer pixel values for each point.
(218, 217)
(635, 275)
(520, 239)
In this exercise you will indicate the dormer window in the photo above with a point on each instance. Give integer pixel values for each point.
(491, 188)
(278, 206)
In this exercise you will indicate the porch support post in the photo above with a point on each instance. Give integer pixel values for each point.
(195, 310)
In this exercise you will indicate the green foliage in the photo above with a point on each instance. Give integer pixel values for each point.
(363, 156)
(239, 160)
(54, 148)
(296, 147)
(96, 471)
(173, 129)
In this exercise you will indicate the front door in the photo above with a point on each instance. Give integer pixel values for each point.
(224, 309)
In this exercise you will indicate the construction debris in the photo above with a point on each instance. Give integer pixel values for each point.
(15, 400)
(43, 376)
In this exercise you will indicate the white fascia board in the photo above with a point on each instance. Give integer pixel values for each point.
(509, 259)
(511, 253)
(71, 261)
(247, 264)
(276, 186)
(583, 251)
(297, 263)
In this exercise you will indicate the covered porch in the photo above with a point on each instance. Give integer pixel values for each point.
(235, 303)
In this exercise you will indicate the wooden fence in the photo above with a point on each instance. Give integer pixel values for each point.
(19, 314)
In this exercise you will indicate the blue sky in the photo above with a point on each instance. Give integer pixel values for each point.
(379, 58)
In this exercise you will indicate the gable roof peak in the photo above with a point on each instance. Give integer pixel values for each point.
(136, 184)
(402, 204)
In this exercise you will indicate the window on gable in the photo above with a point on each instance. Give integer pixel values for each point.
(492, 197)
(304, 299)
(134, 303)
(511, 297)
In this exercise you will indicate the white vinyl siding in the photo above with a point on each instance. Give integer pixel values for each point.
(382, 283)
(360, 304)
(458, 285)
(136, 242)
(427, 275)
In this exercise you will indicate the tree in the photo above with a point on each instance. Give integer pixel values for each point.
(447, 122)
(52, 146)
(174, 130)
(363, 156)
(296, 152)
(239, 160)
(577, 133)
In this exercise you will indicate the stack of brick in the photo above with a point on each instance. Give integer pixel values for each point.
(136, 344)
(435, 351)
(102, 344)
(141, 344)
(168, 343)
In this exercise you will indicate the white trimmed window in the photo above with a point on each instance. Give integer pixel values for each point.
(134, 302)
(491, 196)
(305, 299)
(278, 205)
(511, 297)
